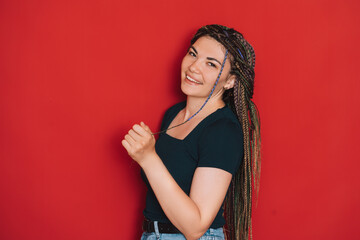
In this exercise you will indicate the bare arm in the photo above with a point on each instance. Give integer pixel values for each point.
(193, 214)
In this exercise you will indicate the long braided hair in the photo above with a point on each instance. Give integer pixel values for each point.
(238, 201)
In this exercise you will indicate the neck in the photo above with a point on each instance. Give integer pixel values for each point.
(193, 104)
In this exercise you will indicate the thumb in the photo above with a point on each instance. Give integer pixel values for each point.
(145, 127)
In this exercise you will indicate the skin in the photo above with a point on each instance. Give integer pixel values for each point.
(192, 214)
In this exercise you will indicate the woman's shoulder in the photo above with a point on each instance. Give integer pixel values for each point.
(223, 117)
(220, 143)
(222, 122)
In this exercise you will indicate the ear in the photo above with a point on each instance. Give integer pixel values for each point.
(230, 82)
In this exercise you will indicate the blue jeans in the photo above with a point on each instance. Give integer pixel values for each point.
(210, 234)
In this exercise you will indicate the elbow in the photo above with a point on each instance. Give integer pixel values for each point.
(195, 230)
(194, 235)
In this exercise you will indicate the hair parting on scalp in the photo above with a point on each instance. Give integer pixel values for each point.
(238, 202)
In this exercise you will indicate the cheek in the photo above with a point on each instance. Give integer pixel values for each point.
(221, 81)
(185, 63)
(212, 75)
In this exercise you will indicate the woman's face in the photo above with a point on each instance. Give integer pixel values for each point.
(201, 66)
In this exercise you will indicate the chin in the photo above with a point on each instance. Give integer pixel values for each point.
(185, 89)
(191, 92)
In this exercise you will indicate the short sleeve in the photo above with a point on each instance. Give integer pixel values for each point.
(221, 146)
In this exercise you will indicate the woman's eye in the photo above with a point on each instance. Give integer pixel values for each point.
(211, 64)
(192, 54)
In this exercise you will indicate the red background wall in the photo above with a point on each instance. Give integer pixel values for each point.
(75, 75)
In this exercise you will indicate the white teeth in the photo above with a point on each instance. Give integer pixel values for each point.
(192, 80)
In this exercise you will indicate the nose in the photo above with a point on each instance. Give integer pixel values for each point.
(194, 66)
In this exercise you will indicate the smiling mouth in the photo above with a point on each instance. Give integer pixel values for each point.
(192, 80)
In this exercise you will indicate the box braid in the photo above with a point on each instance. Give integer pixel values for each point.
(238, 202)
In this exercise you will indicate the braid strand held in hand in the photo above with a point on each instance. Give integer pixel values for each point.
(238, 202)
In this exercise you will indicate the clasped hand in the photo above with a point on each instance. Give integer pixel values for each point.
(139, 143)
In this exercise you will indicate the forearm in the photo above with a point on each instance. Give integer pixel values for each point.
(181, 210)
(192, 216)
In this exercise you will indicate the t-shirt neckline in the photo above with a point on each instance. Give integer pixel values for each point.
(195, 128)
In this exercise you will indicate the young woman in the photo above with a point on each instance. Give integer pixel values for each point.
(209, 149)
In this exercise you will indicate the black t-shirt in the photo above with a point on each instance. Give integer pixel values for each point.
(217, 141)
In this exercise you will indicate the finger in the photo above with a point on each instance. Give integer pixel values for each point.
(134, 135)
(126, 145)
(146, 127)
(141, 130)
(129, 139)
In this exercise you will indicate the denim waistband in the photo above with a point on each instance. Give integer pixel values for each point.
(211, 233)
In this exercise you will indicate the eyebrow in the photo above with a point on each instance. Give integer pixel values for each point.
(213, 59)
(194, 49)
(209, 58)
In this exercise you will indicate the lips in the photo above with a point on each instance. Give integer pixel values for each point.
(192, 80)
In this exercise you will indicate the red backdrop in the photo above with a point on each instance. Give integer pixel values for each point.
(75, 75)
